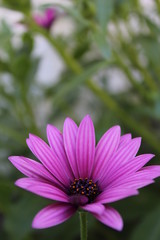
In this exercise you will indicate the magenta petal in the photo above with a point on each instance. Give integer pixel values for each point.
(125, 139)
(30, 145)
(55, 139)
(111, 218)
(70, 130)
(123, 155)
(42, 189)
(52, 215)
(48, 158)
(50, 14)
(85, 147)
(115, 194)
(134, 181)
(137, 180)
(31, 168)
(131, 167)
(106, 147)
(96, 208)
(150, 171)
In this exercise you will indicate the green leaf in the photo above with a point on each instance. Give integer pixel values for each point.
(100, 39)
(149, 228)
(19, 5)
(104, 11)
(76, 81)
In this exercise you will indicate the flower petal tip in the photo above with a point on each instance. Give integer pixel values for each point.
(11, 158)
(51, 129)
(87, 117)
(87, 120)
(35, 225)
(120, 226)
(117, 128)
(32, 136)
(16, 183)
(68, 121)
(49, 126)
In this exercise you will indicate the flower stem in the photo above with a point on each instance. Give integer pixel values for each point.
(83, 225)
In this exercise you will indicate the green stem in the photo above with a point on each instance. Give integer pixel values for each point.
(83, 225)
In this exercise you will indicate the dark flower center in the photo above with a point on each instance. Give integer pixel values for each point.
(85, 187)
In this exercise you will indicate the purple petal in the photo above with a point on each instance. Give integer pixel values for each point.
(96, 208)
(134, 181)
(125, 139)
(123, 155)
(111, 218)
(55, 140)
(50, 13)
(139, 179)
(78, 200)
(70, 130)
(115, 194)
(52, 215)
(106, 147)
(85, 147)
(30, 145)
(150, 171)
(31, 168)
(48, 158)
(42, 189)
(131, 167)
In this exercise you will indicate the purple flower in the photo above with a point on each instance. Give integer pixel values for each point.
(46, 19)
(79, 175)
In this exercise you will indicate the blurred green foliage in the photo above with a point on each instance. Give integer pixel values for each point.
(109, 37)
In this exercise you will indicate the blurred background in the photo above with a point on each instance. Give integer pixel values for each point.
(71, 58)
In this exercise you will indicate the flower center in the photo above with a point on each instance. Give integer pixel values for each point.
(85, 187)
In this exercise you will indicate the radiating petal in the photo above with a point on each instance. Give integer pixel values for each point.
(137, 180)
(123, 155)
(48, 158)
(106, 147)
(70, 130)
(30, 145)
(115, 194)
(136, 183)
(150, 171)
(111, 218)
(31, 168)
(52, 215)
(125, 139)
(85, 147)
(96, 208)
(130, 167)
(43, 189)
(55, 139)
